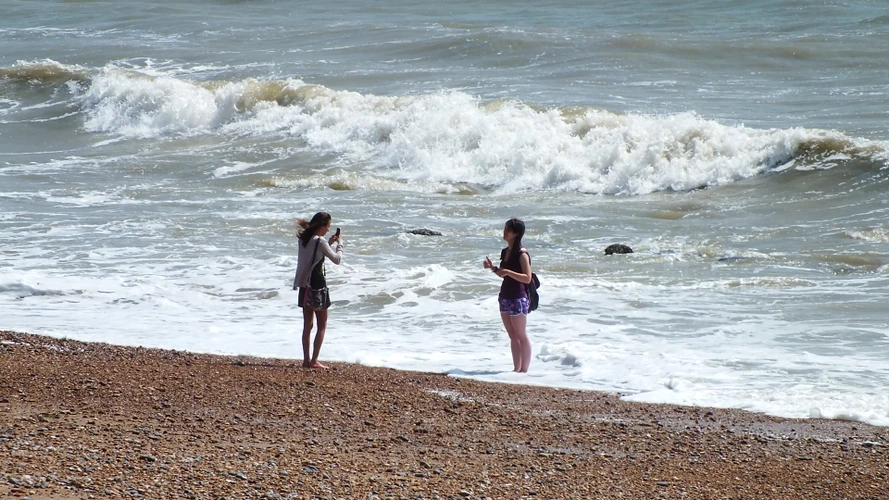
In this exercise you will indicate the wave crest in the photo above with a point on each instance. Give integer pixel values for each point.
(43, 72)
(452, 138)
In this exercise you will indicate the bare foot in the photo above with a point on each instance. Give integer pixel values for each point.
(318, 366)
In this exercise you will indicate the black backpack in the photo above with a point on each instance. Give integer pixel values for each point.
(531, 288)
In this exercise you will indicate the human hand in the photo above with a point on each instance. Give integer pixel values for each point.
(338, 236)
(488, 264)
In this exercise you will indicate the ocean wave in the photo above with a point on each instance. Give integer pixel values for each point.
(351, 181)
(43, 72)
(876, 235)
(22, 290)
(452, 138)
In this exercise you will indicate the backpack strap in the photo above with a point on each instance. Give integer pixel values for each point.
(534, 282)
(317, 244)
(525, 251)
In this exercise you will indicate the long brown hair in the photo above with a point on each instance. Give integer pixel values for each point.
(310, 228)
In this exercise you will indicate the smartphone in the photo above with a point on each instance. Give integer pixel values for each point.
(337, 232)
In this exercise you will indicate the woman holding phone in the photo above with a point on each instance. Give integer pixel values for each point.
(515, 269)
(314, 297)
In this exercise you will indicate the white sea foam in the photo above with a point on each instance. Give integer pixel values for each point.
(233, 169)
(136, 105)
(451, 137)
(7, 105)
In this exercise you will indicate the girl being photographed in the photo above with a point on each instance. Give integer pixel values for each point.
(515, 269)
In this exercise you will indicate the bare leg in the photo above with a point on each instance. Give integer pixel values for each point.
(308, 319)
(322, 315)
(520, 335)
(514, 344)
(308, 323)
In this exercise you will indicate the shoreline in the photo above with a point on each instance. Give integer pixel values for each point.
(94, 420)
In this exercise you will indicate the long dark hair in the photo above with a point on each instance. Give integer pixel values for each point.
(517, 226)
(310, 228)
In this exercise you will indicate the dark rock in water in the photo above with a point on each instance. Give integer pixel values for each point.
(424, 232)
(730, 259)
(617, 248)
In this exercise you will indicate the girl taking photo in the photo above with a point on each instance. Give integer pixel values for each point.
(314, 297)
(515, 269)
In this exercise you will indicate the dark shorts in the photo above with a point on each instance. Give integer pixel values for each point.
(316, 299)
(514, 307)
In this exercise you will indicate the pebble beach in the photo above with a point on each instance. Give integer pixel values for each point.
(85, 420)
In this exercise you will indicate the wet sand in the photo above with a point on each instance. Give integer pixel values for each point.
(84, 420)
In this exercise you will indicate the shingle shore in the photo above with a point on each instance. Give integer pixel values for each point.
(84, 420)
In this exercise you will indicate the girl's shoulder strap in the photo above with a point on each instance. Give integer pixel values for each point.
(306, 245)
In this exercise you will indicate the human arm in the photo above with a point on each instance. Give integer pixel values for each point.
(334, 252)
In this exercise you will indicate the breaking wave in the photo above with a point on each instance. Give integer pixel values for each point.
(451, 137)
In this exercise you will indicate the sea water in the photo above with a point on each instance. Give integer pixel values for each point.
(154, 157)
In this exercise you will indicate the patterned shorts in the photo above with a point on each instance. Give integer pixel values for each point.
(514, 307)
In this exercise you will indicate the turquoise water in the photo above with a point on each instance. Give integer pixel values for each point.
(154, 156)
